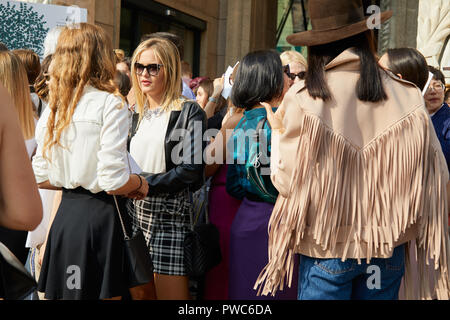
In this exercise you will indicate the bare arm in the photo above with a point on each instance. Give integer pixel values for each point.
(229, 123)
(210, 107)
(47, 185)
(20, 203)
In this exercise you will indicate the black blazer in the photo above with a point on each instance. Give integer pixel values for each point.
(184, 148)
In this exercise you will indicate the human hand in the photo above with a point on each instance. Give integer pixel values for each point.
(140, 193)
(218, 86)
(275, 119)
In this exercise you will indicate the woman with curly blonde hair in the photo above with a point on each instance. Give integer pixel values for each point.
(82, 139)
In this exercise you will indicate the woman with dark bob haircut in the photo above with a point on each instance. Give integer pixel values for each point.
(259, 78)
(408, 64)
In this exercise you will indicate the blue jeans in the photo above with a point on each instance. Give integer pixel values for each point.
(332, 279)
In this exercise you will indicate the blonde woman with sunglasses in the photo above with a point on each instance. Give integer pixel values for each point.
(165, 119)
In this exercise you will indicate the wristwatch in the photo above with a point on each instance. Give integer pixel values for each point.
(212, 99)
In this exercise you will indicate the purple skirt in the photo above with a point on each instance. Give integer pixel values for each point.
(222, 209)
(249, 253)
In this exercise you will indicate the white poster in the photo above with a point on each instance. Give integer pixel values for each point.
(24, 25)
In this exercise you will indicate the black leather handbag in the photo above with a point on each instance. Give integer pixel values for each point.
(15, 281)
(139, 265)
(202, 244)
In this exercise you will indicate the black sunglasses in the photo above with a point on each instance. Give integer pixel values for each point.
(152, 69)
(287, 70)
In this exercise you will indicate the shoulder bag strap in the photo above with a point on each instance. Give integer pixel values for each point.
(121, 221)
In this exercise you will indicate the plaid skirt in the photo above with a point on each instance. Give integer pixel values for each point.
(164, 221)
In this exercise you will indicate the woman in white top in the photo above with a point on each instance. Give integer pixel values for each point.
(167, 122)
(82, 138)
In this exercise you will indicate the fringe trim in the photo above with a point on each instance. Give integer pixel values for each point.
(392, 184)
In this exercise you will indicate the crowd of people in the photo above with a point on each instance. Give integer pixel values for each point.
(351, 169)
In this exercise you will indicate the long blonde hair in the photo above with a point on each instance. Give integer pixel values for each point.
(83, 56)
(167, 53)
(14, 77)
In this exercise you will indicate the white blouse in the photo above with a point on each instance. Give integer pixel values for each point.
(148, 144)
(93, 149)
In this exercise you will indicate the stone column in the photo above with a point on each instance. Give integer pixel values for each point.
(250, 25)
(401, 30)
(238, 30)
(222, 36)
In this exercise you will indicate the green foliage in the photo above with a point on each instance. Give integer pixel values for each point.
(22, 27)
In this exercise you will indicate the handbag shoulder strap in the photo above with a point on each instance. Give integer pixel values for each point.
(259, 129)
(121, 220)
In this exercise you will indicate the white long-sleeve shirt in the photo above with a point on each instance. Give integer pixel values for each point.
(93, 149)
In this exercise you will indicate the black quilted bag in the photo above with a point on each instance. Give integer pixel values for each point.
(202, 243)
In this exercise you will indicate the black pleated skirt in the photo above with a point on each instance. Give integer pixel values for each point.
(84, 256)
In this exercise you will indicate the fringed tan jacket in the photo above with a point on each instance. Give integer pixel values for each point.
(357, 179)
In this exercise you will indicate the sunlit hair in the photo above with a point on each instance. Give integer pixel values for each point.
(83, 56)
(167, 54)
(119, 55)
(14, 77)
(291, 56)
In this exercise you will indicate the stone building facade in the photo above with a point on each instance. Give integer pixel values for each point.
(219, 32)
(227, 29)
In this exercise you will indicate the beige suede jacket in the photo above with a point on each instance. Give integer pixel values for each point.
(357, 179)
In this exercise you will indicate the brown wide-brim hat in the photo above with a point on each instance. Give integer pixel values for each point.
(334, 20)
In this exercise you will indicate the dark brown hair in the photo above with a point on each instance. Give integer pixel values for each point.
(40, 85)
(446, 95)
(31, 62)
(207, 85)
(410, 63)
(259, 78)
(369, 86)
(122, 82)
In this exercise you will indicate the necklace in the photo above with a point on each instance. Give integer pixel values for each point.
(153, 113)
